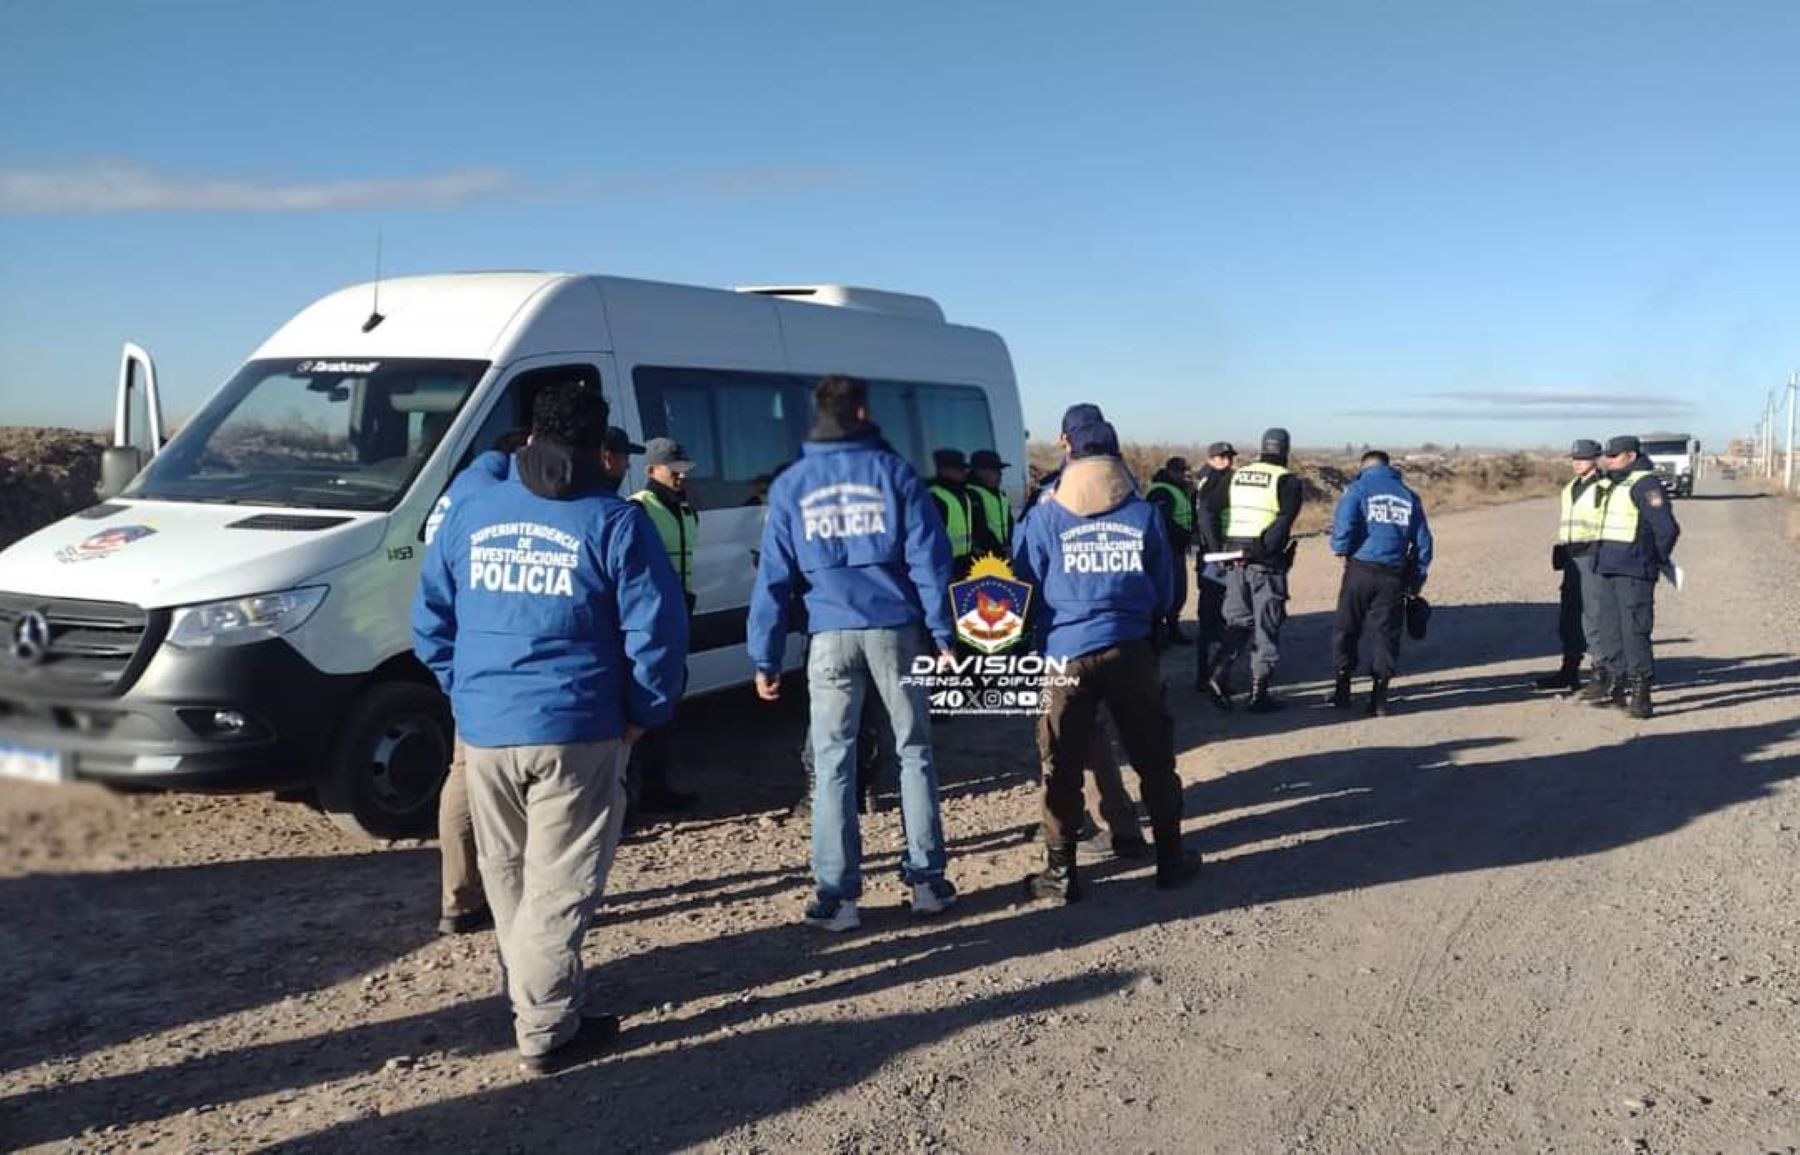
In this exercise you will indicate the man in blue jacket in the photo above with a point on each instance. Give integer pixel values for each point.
(851, 521)
(1637, 539)
(549, 614)
(1104, 577)
(1381, 533)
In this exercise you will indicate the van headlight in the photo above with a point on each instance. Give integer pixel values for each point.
(240, 621)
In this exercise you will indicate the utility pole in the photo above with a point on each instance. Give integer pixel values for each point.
(1793, 397)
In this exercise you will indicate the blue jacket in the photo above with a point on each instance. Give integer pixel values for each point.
(1100, 578)
(482, 472)
(1657, 532)
(550, 620)
(1382, 522)
(853, 522)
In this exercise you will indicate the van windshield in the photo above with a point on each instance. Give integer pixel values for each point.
(338, 434)
(1665, 448)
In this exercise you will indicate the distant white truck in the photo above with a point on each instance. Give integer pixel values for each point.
(1676, 457)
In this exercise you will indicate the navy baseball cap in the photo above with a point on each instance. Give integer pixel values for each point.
(1094, 439)
(1584, 450)
(618, 441)
(1075, 416)
(949, 459)
(1625, 444)
(1220, 449)
(987, 459)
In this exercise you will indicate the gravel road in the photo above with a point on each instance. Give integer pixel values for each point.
(1495, 921)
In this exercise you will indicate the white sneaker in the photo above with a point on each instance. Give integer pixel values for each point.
(933, 897)
(836, 917)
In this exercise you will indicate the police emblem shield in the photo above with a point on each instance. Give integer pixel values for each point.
(990, 606)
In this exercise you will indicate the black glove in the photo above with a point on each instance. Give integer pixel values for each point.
(1559, 557)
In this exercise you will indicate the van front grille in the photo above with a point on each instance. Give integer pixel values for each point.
(74, 648)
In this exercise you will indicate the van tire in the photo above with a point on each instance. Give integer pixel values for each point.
(389, 763)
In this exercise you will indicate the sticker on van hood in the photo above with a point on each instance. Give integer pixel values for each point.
(103, 544)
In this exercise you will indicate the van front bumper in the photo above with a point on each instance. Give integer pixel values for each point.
(240, 718)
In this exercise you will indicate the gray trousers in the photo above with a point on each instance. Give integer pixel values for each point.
(1255, 608)
(547, 821)
(1624, 619)
(456, 841)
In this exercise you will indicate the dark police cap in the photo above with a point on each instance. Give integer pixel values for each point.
(1221, 449)
(987, 459)
(670, 452)
(618, 441)
(1275, 442)
(1625, 444)
(1094, 439)
(1075, 416)
(1176, 465)
(949, 459)
(1585, 450)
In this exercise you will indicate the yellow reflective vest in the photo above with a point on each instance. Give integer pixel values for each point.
(1252, 503)
(1582, 514)
(1181, 505)
(1619, 513)
(957, 517)
(996, 511)
(678, 533)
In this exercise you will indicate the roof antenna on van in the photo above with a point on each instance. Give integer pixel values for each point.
(375, 317)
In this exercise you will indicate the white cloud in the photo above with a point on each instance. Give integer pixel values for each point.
(126, 186)
(104, 187)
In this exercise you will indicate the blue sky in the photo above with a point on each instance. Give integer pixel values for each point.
(1511, 223)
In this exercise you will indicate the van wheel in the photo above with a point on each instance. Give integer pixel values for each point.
(389, 763)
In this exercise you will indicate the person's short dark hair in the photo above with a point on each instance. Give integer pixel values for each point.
(571, 413)
(840, 396)
(1376, 457)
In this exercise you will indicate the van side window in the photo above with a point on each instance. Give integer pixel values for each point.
(510, 418)
(738, 427)
(917, 417)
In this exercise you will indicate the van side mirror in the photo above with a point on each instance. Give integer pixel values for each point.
(118, 465)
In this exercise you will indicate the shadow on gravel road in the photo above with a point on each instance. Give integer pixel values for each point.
(1383, 814)
(1347, 820)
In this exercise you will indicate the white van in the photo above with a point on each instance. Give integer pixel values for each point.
(234, 615)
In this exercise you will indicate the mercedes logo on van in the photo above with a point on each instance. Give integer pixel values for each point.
(31, 638)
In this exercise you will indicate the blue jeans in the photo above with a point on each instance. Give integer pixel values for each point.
(841, 667)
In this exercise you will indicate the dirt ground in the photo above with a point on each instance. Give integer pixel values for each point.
(1496, 921)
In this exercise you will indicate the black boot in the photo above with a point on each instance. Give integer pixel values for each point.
(1639, 705)
(1057, 881)
(1378, 699)
(1261, 701)
(1567, 678)
(1176, 865)
(1598, 691)
(1340, 693)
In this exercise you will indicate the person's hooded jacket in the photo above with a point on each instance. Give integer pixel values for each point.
(1095, 553)
(1382, 522)
(850, 521)
(547, 608)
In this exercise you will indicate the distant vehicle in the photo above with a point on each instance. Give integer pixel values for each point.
(1727, 473)
(234, 615)
(1676, 457)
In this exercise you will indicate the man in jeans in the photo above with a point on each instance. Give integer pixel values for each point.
(851, 520)
(549, 614)
(1095, 550)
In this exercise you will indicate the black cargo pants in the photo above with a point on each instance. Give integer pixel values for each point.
(1373, 598)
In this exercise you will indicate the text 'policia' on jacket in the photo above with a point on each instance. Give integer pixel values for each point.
(1382, 522)
(1637, 530)
(850, 519)
(1096, 555)
(550, 620)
